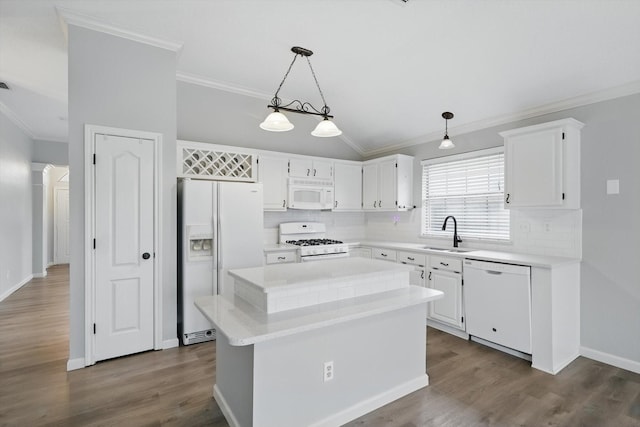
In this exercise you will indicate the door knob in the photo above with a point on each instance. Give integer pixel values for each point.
(146, 255)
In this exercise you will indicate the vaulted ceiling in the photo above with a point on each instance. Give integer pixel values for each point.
(388, 69)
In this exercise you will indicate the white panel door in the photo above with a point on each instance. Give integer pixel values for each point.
(124, 223)
(61, 226)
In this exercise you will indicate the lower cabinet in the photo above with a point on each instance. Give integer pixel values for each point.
(446, 277)
(385, 254)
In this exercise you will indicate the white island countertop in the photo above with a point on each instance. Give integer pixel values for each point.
(245, 324)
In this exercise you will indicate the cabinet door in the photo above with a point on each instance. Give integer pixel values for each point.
(448, 309)
(273, 174)
(370, 187)
(322, 169)
(387, 185)
(348, 187)
(533, 164)
(300, 167)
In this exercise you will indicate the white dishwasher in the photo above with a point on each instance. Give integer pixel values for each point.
(497, 299)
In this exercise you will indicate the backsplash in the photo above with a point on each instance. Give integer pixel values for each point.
(345, 226)
(551, 232)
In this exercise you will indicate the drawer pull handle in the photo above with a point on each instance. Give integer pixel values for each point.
(411, 259)
(282, 257)
(493, 272)
(446, 264)
(383, 254)
(494, 329)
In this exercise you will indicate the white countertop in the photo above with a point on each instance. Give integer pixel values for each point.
(481, 254)
(244, 324)
(276, 277)
(275, 247)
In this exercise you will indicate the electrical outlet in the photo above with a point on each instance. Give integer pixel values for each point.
(328, 371)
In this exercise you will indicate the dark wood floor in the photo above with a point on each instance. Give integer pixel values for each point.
(471, 385)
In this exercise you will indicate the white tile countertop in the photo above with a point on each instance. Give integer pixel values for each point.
(245, 324)
(480, 254)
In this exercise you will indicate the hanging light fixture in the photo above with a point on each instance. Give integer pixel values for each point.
(278, 122)
(446, 143)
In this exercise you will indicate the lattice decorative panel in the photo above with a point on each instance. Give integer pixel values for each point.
(217, 164)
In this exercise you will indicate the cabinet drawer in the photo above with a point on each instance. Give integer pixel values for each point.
(386, 254)
(412, 258)
(446, 263)
(281, 257)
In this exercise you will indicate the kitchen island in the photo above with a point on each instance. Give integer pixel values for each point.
(355, 342)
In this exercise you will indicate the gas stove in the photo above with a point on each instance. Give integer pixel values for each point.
(310, 238)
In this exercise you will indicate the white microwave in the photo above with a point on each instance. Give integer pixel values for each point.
(310, 193)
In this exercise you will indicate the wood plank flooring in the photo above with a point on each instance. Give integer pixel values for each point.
(471, 385)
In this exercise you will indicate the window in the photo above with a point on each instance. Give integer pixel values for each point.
(470, 187)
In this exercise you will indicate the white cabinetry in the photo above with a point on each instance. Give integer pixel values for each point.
(542, 165)
(347, 186)
(273, 173)
(445, 274)
(387, 183)
(385, 254)
(304, 167)
(281, 257)
(416, 277)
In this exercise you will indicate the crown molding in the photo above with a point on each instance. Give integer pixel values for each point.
(219, 85)
(227, 87)
(553, 107)
(69, 17)
(16, 120)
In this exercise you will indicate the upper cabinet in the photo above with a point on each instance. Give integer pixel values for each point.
(347, 180)
(542, 165)
(387, 183)
(273, 172)
(304, 167)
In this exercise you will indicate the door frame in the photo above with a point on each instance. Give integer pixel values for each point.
(90, 132)
(56, 190)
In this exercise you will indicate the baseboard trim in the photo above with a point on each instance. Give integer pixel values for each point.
(171, 343)
(73, 364)
(373, 402)
(224, 407)
(40, 275)
(15, 287)
(610, 359)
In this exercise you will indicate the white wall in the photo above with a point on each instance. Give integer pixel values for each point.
(124, 84)
(15, 207)
(55, 153)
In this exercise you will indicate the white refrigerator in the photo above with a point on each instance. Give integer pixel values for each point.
(220, 228)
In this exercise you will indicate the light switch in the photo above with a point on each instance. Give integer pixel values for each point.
(613, 186)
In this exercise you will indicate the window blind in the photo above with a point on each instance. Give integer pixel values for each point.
(471, 189)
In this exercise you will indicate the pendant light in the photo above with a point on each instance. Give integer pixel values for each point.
(278, 122)
(446, 143)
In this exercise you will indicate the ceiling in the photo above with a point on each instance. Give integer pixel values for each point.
(388, 69)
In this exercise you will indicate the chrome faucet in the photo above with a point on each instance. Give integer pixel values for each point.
(456, 238)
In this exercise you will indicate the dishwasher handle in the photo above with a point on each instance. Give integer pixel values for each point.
(496, 273)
